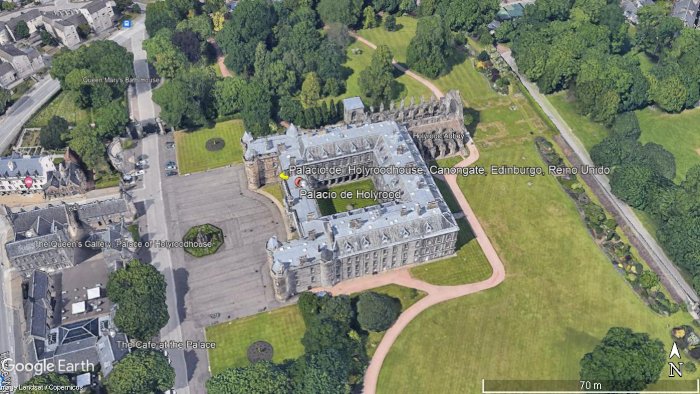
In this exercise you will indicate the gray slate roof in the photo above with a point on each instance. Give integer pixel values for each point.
(18, 166)
(98, 209)
(352, 103)
(6, 68)
(687, 11)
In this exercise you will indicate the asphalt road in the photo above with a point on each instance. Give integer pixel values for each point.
(143, 109)
(156, 227)
(20, 112)
(665, 265)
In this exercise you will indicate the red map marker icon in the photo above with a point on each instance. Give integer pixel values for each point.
(28, 182)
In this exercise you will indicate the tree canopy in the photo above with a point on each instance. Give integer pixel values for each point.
(42, 384)
(428, 50)
(261, 377)
(52, 135)
(625, 360)
(139, 292)
(377, 312)
(377, 80)
(141, 371)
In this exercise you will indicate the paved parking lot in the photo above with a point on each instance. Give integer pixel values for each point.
(233, 282)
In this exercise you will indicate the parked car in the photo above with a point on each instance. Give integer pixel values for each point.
(142, 162)
(171, 173)
(169, 145)
(139, 172)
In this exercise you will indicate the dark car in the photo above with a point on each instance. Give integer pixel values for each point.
(171, 173)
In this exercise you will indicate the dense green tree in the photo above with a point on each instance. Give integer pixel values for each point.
(324, 372)
(227, 94)
(211, 6)
(159, 16)
(369, 18)
(377, 80)
(407, 6)
(671, 87)
(626, 125)
(51, 136)
(613, 151)
(187, 100)
(634, 184)
(291, 109)
(200, 24)
(162, 53)
(21, 30)
(377, 312)
(429, 48)
(258, 378)
(5, 97)
(110, 120)
(104, 60)
(141, 371)
(346, 12)
(251, 22)
(139, 292)
(389, 6)
(86, 142)
(310, 90)
(46, 38)
(338, 34)
(680, 237)
(188, 42)
(659, 159)
(181, 8)
(256, 110)
(45, 383)
(548, 10)
(390, 22)
(625, 360)
(655, 29)
(467, 15)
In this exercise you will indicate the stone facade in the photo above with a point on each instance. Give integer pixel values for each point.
(411, 226)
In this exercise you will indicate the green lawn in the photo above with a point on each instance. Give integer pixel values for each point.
(474, 87)
(275, 190)
(62, 105)
(405, 87)
(678, 133)
(282, 328)
(560, 296)
(193, 156)
(330, 206)
(469, 266)
(397, 40)
(589, 132)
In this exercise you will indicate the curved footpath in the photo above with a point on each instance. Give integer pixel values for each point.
(435, 294)
(401, 68)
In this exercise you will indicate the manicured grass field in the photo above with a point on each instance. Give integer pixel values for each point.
(589, 132)
(406, 86)
(397, 40)
(282, 328)
(275, 190)
(474, 87)
(560, 296)
(678, 133)
(330, 206)
(62, 105)
(193, 156)
(469, 266)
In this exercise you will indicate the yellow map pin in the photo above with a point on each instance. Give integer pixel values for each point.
(284, 176)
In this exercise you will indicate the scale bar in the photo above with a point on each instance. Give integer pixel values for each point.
(484, 391)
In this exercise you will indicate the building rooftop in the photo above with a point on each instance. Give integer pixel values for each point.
(17, 166)
(687, 11)
(352, 103)
(420, 209)
(78, 283)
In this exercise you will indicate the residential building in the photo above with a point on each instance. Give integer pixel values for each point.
(630, 8)
(26, 61)
(8, 75)
(5, 36)
(15, 169)
(64, 27)
(410, 224)
(99, 15)
(687, 11)
(32, 18)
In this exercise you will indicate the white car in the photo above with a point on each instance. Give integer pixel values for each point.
(139, 172)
